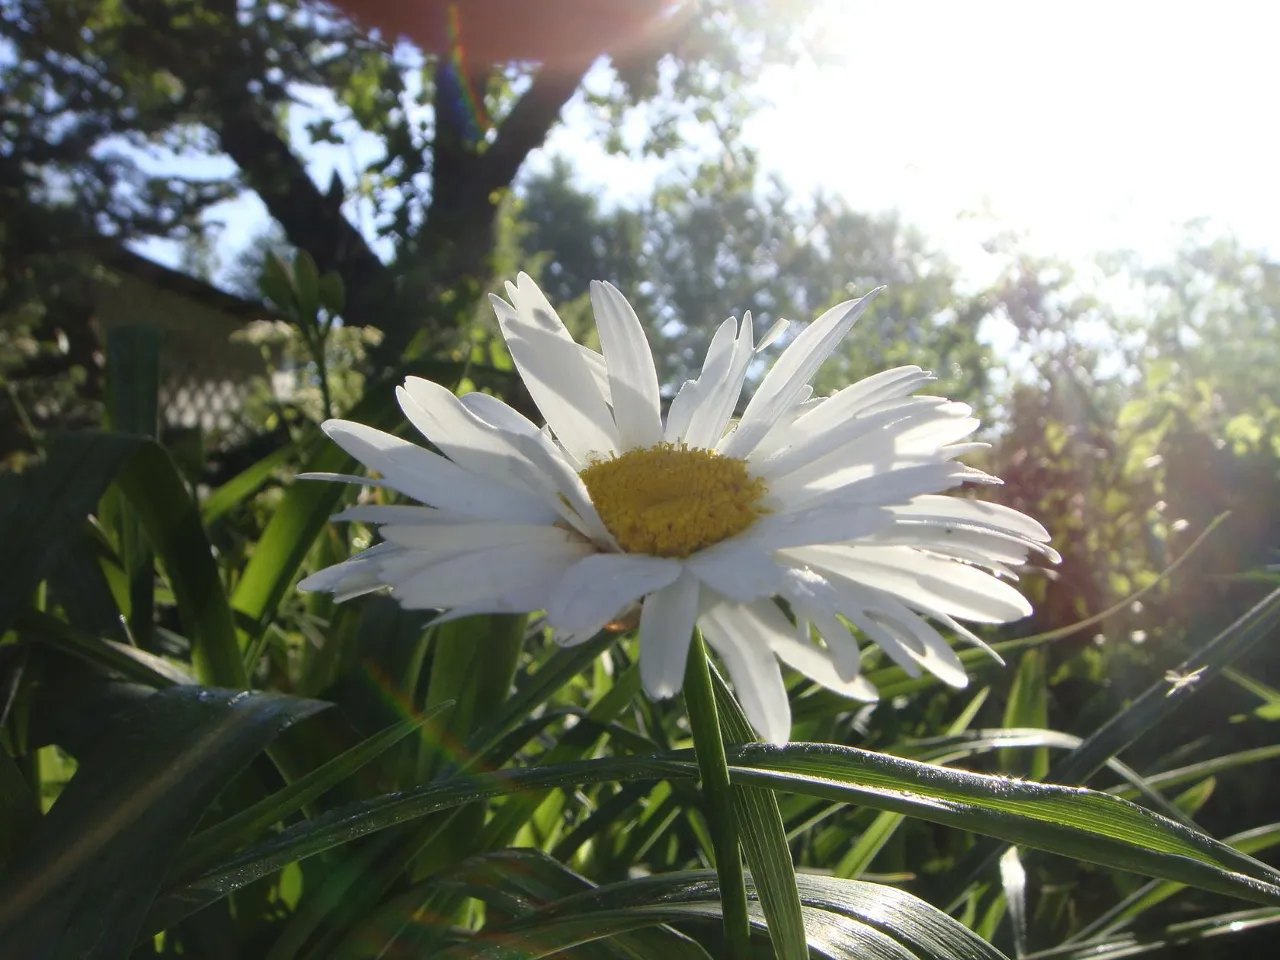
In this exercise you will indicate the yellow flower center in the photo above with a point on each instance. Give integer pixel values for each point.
(672, 501)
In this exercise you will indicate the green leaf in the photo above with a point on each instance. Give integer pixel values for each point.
(1205, 768)
(243, 485)
(53, 502)
(155, 490)
(133, 380)
(1150, 709)
(276, 284)
(531, 880)
(764, 839)
(247, 825)
(129, 662)
(82, 886)
(1158, 701)
(720, 808)
(873, 839)
(844, 920)
(133, 389)
(19, 808)
(1157, 891)
(333, 295)
(1071, 821)
(44, 509)
(306, 285)
(1074, 822)
(1028, 707)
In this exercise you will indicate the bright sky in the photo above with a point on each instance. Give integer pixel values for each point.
(1088, 125)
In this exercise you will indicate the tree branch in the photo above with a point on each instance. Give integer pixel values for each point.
(528, 124)
(218, 60)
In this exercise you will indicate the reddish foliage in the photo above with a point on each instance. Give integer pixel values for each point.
(501, 31)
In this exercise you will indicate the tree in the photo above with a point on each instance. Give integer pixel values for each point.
(727, 239)
(110, 101)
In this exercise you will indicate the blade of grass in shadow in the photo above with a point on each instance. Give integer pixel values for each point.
(85, 879)
(1166, 940)
(1151, 708)
(225, 498)
(721, 806)
(1157, 891)
(129, 662)
(249, 824)
(764, 839)
(1082, 824)
(873, 839)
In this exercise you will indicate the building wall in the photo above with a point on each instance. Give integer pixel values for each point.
(204, 375)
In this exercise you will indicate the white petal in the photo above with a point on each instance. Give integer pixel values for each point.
(681, 411)
(355, 569)
(817, 600)
(633, 380)
(434, 480)
(936, 583)
(906, 637)
(811, 447)
(854, 400)
(693, 393)
(782, 434)
(986, 548)
(466, 439)
(737, 568)
(992, 516)
(791, 374)
(718, 398)
(666, 627)
(876, 488)
(467, 537)
(551, 473)
(744, 643)
(821, 524)
(490, 575)
(379, 513)
(818, 666)
(599, 370)
(497, 414)
(595, 589)
(555, 373)
(778, 328)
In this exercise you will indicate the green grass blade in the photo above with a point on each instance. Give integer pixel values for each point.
(243, 485)
(133, 389)
(249, 824)
(1157, 891)
(1028, 706)
(44, 509)
(1154, 705)
(721, 809)
(84, 882)
(171, 519)
(1197, 771)
(1073, 822)
(764, 839)
(129, 662)
(19, 808)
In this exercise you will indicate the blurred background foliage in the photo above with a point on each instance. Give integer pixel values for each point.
(1128, 405)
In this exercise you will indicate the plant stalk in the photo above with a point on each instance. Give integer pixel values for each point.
(708, 745)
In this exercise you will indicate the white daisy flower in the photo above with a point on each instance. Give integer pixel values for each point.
(827, 504)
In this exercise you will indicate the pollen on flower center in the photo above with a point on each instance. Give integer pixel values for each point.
(672, 501)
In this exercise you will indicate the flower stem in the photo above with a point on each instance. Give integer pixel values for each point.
(708, 745)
